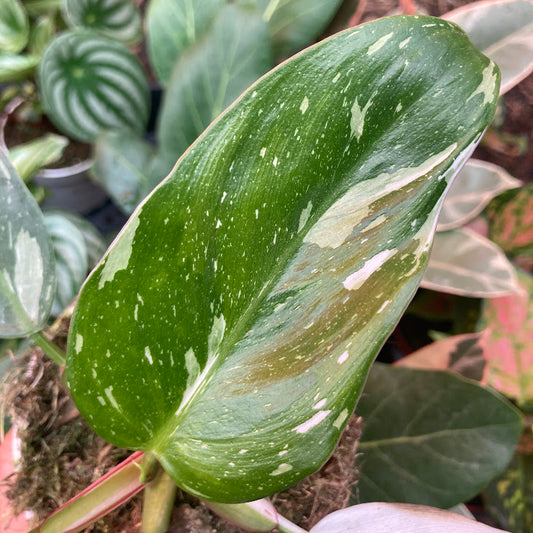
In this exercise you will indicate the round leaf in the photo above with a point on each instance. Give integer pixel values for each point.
(14, 26)
(89, 83)
(230, 326)
(26, 264)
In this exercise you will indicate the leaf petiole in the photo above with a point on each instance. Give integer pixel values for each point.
(49, 348)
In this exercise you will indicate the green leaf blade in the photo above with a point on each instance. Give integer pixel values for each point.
(14, 26)
(234, 345)
(431, 438)
(27, 275)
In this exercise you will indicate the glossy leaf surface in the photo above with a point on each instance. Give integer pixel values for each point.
(234, 54)
(27, 275)
(464, 263)
(431, 437)
(122, 164)
(503, 30)
(118, 19)
(231, 325)
(475, 185)
(14, 26)
(17, 67)
(508, 342)
(397, 517)
(89, 83)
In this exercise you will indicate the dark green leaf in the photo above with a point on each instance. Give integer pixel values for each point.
(431, 437)
(231, 325)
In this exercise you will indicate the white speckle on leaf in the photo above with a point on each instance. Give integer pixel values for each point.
(356, 280)
(262, 152)
(109, 393)
(148, 355)
(336, 78)
(224, 194)
(343, 357)
(487, 86)
(101, 400)
(281, 469)
(219, 224)
(304, 216)
(79, 343)
(404, 42)
(119, 255)
(320, 404)
(357, 121)
(378, 44)
(312, 422)
(304, 105)
(399, 107)
(339, 421)
(192, 366)
(243, 451)
(275, 161)
(385, 304)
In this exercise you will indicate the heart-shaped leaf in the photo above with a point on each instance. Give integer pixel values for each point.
(431, 437)
(118, 19)
(476, 184)
(172, 27)
(14, 26)
(502, 29)
(89, 83)
(464, 263)
(211, 75)
(397, 517)
(27, 271)
(231, 325)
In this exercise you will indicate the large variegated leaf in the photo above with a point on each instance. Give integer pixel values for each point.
(26, 262)
(502, 29)
(230, 327)
(172, 27)
(118, 19)
(14, 26)
(476, 184)
(211, 75)
(465, 263)
(89, 83)
(431, 437)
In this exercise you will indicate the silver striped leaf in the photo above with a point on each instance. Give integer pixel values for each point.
(89, 83)
(230, 326)
(14, 26)
(117, 19)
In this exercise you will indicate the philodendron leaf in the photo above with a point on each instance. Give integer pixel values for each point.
(508, 342)
(230, 327)
(397, 517)
(476, 184)
(295, 23)
(117, 19)
(465, 263)
(27, 271)
(30, 157)
(172, 27)
(89, 83)
(211, 75)
(122, 164)
(502, 29)
(431, 437)
(14, 26)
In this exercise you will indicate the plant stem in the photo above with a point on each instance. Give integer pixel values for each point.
(286, 526)
(49, 348)
(159, 496)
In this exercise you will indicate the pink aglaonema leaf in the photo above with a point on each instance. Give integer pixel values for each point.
(508, 342)
(110, 491)
(510, 218)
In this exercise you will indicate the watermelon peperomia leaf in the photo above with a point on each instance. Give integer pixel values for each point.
(27, 269)
(89, 83)
(231, 325)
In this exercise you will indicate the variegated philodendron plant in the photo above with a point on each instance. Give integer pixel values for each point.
(229, 328)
